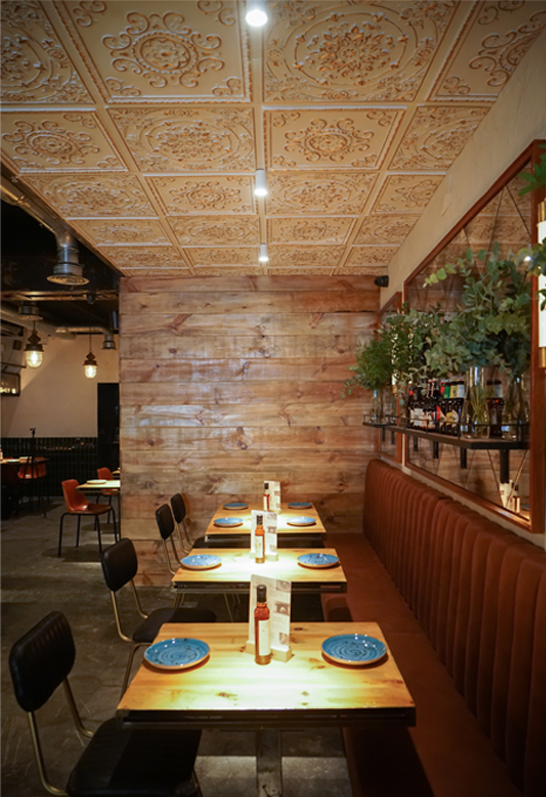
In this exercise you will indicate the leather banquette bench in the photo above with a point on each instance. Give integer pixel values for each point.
(462, 603)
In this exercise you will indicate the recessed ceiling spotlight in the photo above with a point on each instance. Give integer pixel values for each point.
(260, 188)
(256, 16)
(263, 257)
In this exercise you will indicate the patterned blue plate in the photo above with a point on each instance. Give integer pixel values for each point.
(236, 505)
(300, 505)
(228, 522)
(318, 560)
(353, 649)
(201, 561)
(302, 520)
(176, 654)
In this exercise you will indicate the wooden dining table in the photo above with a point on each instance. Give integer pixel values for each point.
(229, 691)
(287, 534)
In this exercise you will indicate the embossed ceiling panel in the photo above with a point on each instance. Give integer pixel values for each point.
(142, 123)
(215, 194)
(308, 139)
(149, 51)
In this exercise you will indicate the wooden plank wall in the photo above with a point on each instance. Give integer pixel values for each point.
(230, 381)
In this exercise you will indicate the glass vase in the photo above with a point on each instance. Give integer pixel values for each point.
(475, 415)
(516, 411)
(377, 407)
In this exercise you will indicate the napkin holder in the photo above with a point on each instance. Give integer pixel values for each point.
(277, 653)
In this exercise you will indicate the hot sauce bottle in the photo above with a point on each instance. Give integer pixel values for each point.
(259, 540)
(262, 630)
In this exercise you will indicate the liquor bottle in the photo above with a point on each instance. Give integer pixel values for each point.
(259, 541)
(495, 406)
(262, 629)
(266, 496)
(411, 407)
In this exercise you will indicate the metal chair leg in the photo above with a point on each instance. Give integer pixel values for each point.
(129, 665)
(78, 532)
(228, 606)
(61, 533)
(97, 525)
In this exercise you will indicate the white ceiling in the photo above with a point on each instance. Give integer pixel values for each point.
(142, 123)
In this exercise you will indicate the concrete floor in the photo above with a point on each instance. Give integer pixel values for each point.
(34, 582)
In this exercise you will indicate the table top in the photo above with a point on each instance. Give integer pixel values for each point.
(283, 517)
(229, 689)
(109, 484)
(238, 565)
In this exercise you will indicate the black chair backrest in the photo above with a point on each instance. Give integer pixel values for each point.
(41, 660)
(119, 564)
(165, 521)
(178, 507)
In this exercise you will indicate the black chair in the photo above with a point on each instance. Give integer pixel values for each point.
(119, 566)
(165, 524)
(179, 511)
(117, 762)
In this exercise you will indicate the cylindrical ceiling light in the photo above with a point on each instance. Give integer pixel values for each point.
(256, 15)
(260, 188)
(109, 342)
(34, 351)
(263, 257)
(29, 310)
(90, 363)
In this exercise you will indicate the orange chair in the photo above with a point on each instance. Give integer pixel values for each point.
(77, 504)
(32, 473)
(106, 473)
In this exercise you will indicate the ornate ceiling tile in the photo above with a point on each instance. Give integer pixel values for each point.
(495, 39)
(122, 231)
(406, 193)
(77, 195)
(315, 256)
(35, 65)
(152, 257)
(198, 55)
(308, 231)
(436, 136)
(217, 230)
(226, 193)
(58, 141)
(364, 271)
(222, 257)
(371, 255)
(306, 271)
(153, 272)
(339, 194)
(385, 229)
(187, 139)
(347, 51)
(223, 271)
(356, 138)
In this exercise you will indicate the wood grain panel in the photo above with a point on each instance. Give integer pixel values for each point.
(305, 369)
(226, 383)
(311, 301)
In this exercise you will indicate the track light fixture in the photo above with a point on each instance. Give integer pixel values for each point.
(263, 257)
(256, 15)
(260, 188)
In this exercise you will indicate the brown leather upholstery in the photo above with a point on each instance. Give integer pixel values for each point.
(479, 593)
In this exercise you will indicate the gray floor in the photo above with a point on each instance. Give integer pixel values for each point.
(34, 582)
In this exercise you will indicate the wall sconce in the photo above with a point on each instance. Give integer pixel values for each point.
(263, 257)
(541, 286)
(34, 351)
(256, 15)
(260, 188)
(90, 363)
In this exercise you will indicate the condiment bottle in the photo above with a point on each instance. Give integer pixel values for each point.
(262, 629)
(259, 540)
(266, 496)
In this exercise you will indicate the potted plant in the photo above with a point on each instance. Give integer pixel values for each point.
(373, 371)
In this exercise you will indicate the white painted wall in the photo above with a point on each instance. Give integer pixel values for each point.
(57, 398)
(516, 119)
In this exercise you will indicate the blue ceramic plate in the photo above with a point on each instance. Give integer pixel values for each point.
(236, 505)
(318, 560)
(353, 649)
(300, 505)
(201, 561)
(302, 520)
(228, 522)
(176, 654)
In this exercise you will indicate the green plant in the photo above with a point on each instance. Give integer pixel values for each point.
(373, 369)
(410, 333)
(492, 322)
(537, 177)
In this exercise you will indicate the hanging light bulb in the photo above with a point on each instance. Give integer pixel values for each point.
(90, 363)
(34, 351)
(256, 15)
(263, 257)
(260, 189)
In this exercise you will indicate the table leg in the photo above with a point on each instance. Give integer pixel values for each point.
(268, 763)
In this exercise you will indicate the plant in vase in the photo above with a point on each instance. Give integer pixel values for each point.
(373, 371)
